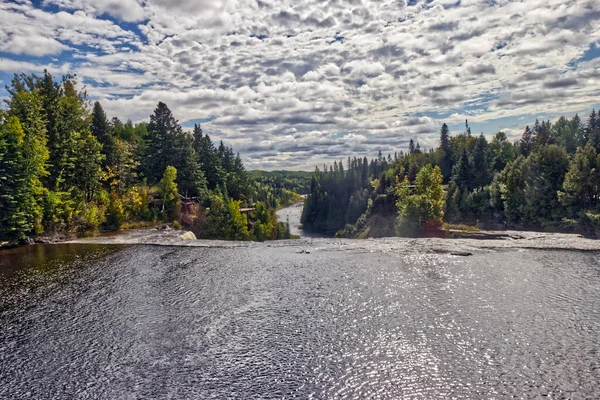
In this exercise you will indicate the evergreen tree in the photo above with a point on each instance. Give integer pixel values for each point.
(71, 126)
(566, 133)
(162, 130)
(502, 152)
(103, 132)
(541, 133)
(462, 174)
(209, 159)
(445, 138)
(510, 183)
(87, 162)
(526, 142)
(238, 179)
(167, 144)
(446, 157)
(15, 221)
(481, 166)
(544, 173)
(125, 165)
(582, 181)
(27, 107)
(192, 181)
(592, 130)
(578, 130)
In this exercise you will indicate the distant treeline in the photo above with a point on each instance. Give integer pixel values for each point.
(280, 188)
(548, 180)
(66, 167)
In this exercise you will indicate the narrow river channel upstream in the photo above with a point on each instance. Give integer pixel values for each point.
(312, 318)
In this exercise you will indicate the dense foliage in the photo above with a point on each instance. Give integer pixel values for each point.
(422, 206)
(65, 167)
(279, 189)
(548, 180)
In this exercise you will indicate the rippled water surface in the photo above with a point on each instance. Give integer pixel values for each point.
(263, 321)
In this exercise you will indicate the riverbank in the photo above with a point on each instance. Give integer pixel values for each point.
(63, 237)
(450, 241)
(485, 242)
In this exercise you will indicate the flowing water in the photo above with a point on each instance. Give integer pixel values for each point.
(309, 320)
(292, 215)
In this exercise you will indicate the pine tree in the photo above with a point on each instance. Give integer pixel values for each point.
(592, 130)
(481, 166)
(209, 159)
(159, 143)
(526, 144)
(71, 125)
(238, 179)
(125, 165)
(87, 162)
(541, 133)
(565, 133)
(445, 160)
(192, 181)
(445, 139)
(15, 221)
(411, 147)
(27, 107)
(578, 130)
(167, 144)
(461, 175)
(102, 131)
(544, 173)
(502, 151)
(582, 181)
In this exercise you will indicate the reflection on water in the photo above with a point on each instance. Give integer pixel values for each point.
(270, 322)
(44, 257)
(26, 268)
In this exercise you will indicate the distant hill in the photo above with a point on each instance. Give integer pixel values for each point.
(295, 181)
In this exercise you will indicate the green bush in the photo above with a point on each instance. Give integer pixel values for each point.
(116, 212)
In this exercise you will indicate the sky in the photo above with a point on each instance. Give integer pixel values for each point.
(292, 84)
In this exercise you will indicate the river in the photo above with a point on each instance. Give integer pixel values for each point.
(314, 318)
(292, 215)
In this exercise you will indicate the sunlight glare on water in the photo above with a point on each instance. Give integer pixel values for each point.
(270, 322)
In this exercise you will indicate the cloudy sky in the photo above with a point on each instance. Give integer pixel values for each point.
(293, 83)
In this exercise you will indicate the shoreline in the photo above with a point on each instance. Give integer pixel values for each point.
(456, 241)
(488, 241)
(450, 241)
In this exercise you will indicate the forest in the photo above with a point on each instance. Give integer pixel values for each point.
(66, 168)
(549, 180)
(279, 189)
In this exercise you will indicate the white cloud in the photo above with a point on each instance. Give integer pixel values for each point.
(126, 10)
(27, 30)
(11, 66)
(33, 45)
(301, 82)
